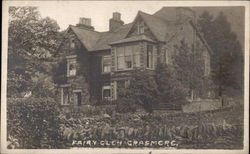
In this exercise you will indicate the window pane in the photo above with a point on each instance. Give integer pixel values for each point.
(106, 64)
(128, 50)
(72, 44)
(149, 56)
(136, 56)
(106, 92)
(128, 61)
(71, 67)
(120, 51)
(120, 62)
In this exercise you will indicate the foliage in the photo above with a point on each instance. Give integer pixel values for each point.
(142, 90)
(188, 64)
(32, 41)
(171, 90)
(227, 63)
(125, 105)
(187, 129)
(59, 72)
(34, 122)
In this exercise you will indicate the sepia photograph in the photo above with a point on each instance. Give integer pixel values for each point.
(108, 76)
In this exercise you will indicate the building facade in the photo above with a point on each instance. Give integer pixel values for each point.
(94, 65)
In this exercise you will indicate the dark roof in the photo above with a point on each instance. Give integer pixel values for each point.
(94, 41)
(163, 30)
(156, 25)
(87, 37)
(107, 37)
(133, 39)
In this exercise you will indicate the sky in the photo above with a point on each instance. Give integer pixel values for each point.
(69, 12)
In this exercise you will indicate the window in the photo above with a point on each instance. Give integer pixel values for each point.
(72, 43)
(149, 56)
(106, 64)
(140, 27)
(65, 100)
(127, 57)
(71, 67)
(136, 56)
(106, 92)
(124, 58)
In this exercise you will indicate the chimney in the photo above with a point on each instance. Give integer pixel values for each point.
(115, 22)
(85, 23)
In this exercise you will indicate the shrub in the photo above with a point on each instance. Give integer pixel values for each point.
(34, 122)
(125, 106)
(142, 90)
(171, 90)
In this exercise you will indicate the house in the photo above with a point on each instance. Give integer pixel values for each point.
(94, 65)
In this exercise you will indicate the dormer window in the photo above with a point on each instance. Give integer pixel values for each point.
(71, 66)
(140, 27)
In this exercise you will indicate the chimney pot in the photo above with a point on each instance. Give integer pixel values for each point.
(117, 16)
(115, 22)
(85, 23)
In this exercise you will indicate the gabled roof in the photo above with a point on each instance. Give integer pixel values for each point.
(156, 25)
(87, 37)
(162, 29)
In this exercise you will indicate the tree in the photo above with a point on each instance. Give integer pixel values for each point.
(188, 66)
(227, 59)
(34, 122)
(32, 41)
(171, 90)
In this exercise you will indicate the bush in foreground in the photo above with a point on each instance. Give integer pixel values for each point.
(33, 123)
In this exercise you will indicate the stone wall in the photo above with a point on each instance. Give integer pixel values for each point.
(81, 80)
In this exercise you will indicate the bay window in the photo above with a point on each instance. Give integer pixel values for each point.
(127, 57)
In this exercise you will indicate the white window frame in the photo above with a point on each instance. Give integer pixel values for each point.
(71, 60)
(103, 57)
(106, 87)
(148, 66)
(132, 57)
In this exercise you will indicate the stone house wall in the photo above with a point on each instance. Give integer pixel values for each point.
(80, 81)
